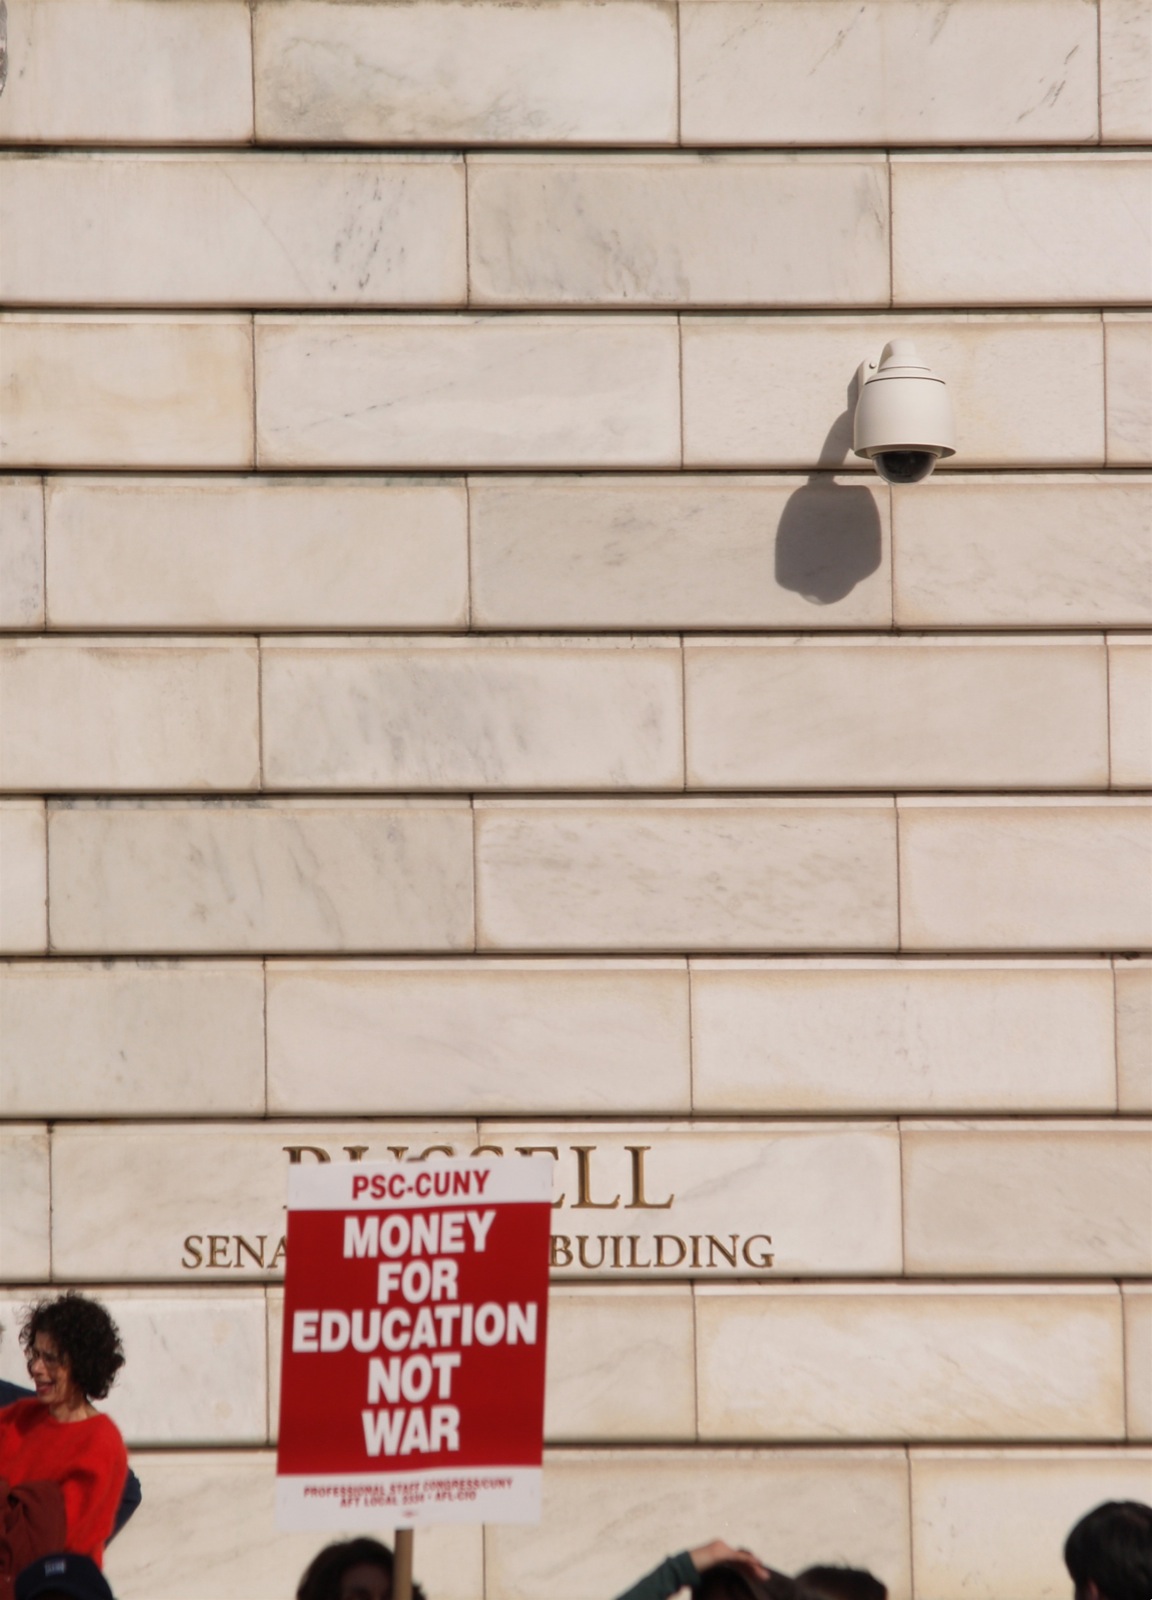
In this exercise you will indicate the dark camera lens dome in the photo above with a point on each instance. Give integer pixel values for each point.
(904, 466)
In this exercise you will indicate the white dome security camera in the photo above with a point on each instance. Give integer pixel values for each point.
(903, 418)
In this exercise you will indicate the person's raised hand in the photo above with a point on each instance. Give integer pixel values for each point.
(710, 1555)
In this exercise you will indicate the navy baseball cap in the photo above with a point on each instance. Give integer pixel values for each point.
(76, 1576)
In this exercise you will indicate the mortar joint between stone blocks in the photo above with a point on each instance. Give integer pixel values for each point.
(467, 231)
(252, 65)
(1099, 72)
(911, 1517)
(264, 1025)
(475, 877)
(469, 569)
(679, 77)
(891, 231)
(1116, 1034)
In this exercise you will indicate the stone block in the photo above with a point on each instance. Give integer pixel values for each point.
(867, 713)
(621, 1365)
(220, 1505)
(129, 1039)
(730, 552)
(467, 392)
(986, 1524)
(1125, 71)
(1134, 1034)
(436, 1038)
(1027, 1198)
(1130, 710)
(686, 875)
(282, 876)
(1036, 551)
(643, 1202)
(611, 1515)
(678, 230)
(21, 553)
(106, 714)
(1138, 1358)
(425, 714)
(972, 230)
(486, 73)
(23, 877)
(195, 1371)
(256, 553)
(1044, 874)
(197, 1203)
(1128, 399)
(195, 1367)
(865, 1037)
(901, 1362)
(780, 391)
(128, 72)
(715, 1200)
(25, 1205)
(125, 391)
(233, 230)
(812, 72)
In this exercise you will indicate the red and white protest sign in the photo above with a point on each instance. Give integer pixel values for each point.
(416, 1300)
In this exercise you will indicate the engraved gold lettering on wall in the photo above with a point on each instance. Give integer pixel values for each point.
(638, 1152)
(629, 1252)
(233, 1250)
(590, 1178)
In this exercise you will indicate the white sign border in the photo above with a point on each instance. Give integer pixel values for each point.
(315, 1502)
(328, 1186)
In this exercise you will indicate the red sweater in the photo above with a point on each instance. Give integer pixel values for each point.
(87, 1459)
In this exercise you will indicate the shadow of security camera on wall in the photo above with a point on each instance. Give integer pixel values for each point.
(829, 537)
(903, 421)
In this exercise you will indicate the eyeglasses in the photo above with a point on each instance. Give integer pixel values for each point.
(50, 1363)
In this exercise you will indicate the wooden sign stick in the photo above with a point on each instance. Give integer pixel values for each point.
(402, 1565)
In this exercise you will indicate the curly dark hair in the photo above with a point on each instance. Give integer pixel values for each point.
(85, 1336)
(322, 1580)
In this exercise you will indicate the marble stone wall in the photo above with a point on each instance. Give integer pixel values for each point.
(458, 692)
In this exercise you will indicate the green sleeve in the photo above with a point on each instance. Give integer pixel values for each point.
(678, 1572)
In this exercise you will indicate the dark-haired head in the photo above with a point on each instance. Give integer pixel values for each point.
(325, 1577)
(83, 1337)
(839, 1583)
(728, 1581)
(1109, 1552)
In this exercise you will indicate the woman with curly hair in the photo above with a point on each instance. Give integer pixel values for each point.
(354, 1569)
(73, 1352)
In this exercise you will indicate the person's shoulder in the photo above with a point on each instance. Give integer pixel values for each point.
(24, 1412)
(102, 1423)
(22, 1418)
(12, 1393)
(108, 1433)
